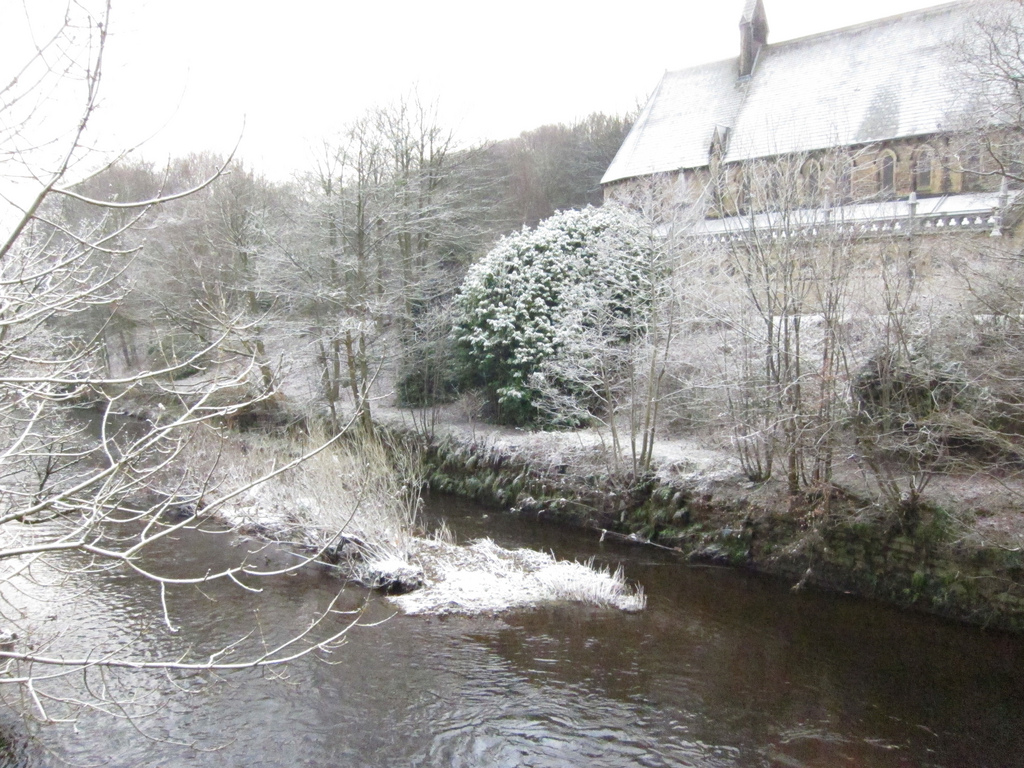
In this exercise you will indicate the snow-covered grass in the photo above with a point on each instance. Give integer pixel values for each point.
(484, 578)
(358, 501)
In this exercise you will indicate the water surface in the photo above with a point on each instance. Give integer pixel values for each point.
(722, 669)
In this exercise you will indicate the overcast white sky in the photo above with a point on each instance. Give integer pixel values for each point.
(190, 71)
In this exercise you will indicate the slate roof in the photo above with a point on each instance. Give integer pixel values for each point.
(884, 79)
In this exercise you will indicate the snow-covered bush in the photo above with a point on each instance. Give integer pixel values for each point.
(482, 577)
(579, 276)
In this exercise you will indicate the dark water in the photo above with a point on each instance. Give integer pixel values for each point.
(722, 669)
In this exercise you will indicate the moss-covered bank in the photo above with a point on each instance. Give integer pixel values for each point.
(839, 543)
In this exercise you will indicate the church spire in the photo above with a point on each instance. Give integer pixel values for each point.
(753, 35)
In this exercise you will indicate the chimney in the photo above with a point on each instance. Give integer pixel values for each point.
(753, 35)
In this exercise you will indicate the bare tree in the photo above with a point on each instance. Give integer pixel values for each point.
(791, 254)
(611, 373)
(383, 217)
(986, 121)
(88, 493)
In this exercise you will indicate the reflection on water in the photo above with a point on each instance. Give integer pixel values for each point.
(722, 669)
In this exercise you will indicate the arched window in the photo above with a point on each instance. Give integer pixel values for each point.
(845, 185)
(775, 190)
(717, 185)
(924, 160)
(971, 172)
(811, 174)
(741, 183)
(886, 164)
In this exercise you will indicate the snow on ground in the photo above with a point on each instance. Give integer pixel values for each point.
(678, 459)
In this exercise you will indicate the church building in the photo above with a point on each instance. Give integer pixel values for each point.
(859, 123)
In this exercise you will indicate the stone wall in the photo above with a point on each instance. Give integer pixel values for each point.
(840, 544)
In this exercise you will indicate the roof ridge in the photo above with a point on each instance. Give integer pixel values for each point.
(877, 22)
(825, 33)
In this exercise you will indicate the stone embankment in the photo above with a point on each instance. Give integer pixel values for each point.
(844, 543)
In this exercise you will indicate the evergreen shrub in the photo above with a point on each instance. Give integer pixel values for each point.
(540, 292)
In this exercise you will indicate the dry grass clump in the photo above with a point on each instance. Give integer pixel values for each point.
(354, 492)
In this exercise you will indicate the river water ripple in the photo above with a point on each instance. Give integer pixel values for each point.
(722, 669)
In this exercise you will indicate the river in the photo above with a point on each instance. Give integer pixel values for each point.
(723, 668)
